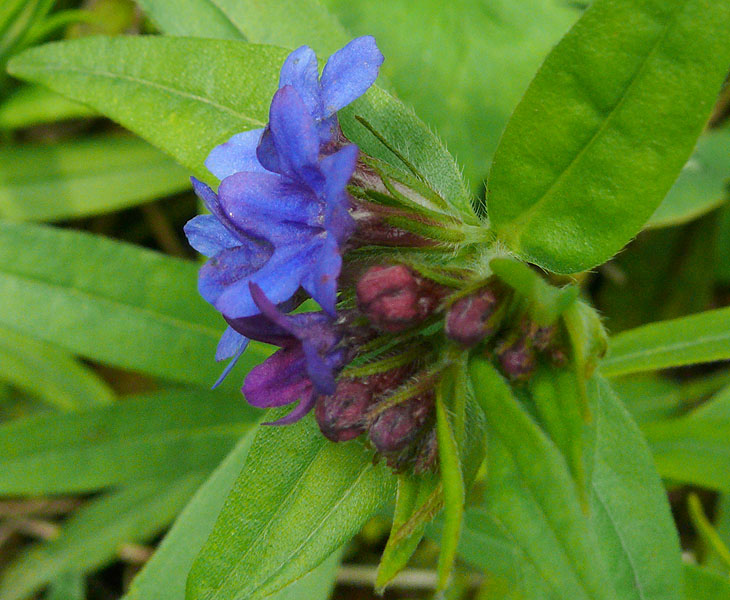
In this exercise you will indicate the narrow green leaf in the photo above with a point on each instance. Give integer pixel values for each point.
(49, 373)
(34, 105)
(92, 536)
(183, 95)
(706, 532)
(111, 302)
(68, 586)
(605, 128)
(16, 19)
(629, 508)
(704, 584)
(83, 177)
(453, 484)
(487, 53)
(298, 499)
(162, 435)
(533, 496)
(704, 337)
(701, 184)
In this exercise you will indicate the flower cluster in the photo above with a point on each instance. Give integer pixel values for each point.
(301, 213)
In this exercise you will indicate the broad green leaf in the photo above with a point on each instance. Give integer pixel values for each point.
(83, 177)
(163, 435)
(649, 397)
(287, 23)
(197, 93)
(299, 498)
(67, 586)
(704, 337)
(532, 496)
(605, 128)
(693, 448)
(701, 184)
(629, 509)
(163, 576)
(93, 535)
(34, 105)
(463, 65)
(111, 302)
(183, 95)
(49, 373)
(704, 584)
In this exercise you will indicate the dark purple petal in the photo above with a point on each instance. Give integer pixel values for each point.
(237, 154)
(349, 72)
(321, 372)
(321, 281)
(281, 379)
(305, 405)
(294, 134)
(208, 235)
(300, 71)
(231, 345)
(227, 268)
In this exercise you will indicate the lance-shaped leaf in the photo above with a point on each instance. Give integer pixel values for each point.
(704, 337)
(299, 497)
(165, 434)
(83, 177)
(33, 105)
(111, 302)
(605, 128)
(701, 583)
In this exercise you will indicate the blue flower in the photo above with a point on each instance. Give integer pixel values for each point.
(303, 369)
(348, 74)
(282, 230)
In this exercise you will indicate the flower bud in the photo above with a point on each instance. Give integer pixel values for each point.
(393, 298)
(341, 416)
(474, 317)
(518, 359)
(398, 425)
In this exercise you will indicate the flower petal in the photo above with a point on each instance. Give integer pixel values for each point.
(300, 71)
(294, 134)
(281, 379)
(320, 372)
(231, 345)
(338, 169)
(237, 154)
(227, 268)
(305, 405)
(321, 280)
(208, 235)
(349, 72)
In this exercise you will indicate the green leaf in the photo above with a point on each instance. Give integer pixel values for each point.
(183, 95)
(629, 508)
(701, 184)
(298, 499)
(83, 177)
(693, 449)
(704, 584)
(704, 337)
(16, 19)
(287, 23)
(34, 105)
(605, 128)
(546, 302)
(93, 535)
(111, 302)
(165, 434)
(533, 497)
(49, 373)
(463, 65)
(67, 586)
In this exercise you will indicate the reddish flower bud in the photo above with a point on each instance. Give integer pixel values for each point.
(341, 416)
(518, 359)
(397, 426)
(468, 319)
(427, 457)
(393, 298)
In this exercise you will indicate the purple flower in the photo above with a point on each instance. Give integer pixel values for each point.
(303, 369)
(278, 230)
(348, 74)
